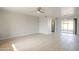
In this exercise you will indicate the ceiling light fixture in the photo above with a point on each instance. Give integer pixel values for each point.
(40, 10)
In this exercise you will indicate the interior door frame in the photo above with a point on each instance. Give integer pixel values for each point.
(75, 21)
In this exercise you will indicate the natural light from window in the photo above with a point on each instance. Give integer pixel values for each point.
(67, 26)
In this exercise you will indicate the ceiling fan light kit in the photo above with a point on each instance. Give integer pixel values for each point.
(40, 10)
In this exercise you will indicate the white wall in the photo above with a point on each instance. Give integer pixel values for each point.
(45, 25)
(58, 25)
(14, 24)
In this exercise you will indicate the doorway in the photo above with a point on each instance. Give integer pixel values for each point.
(68, 26)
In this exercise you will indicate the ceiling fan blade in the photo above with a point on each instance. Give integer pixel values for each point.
(42, 11)
(39, 9)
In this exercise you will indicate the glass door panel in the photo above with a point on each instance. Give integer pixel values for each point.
(67, 25)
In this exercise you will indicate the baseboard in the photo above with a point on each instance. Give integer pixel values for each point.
(15, 35)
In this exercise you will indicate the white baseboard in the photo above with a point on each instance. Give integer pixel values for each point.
(15, 35)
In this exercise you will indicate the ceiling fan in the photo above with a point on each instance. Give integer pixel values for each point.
(40, 10)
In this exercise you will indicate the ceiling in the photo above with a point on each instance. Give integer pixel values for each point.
(49, 11)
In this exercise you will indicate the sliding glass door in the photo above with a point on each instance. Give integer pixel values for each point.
(67, 26)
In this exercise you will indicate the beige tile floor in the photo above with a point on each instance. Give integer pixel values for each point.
(41, 42)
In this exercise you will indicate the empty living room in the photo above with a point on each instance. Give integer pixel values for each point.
(39, 28)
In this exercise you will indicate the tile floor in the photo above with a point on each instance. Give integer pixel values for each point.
(41, 42)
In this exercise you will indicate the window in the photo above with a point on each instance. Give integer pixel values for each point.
(67, 25)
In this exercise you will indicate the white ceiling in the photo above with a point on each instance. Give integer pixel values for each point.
(49, 11)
